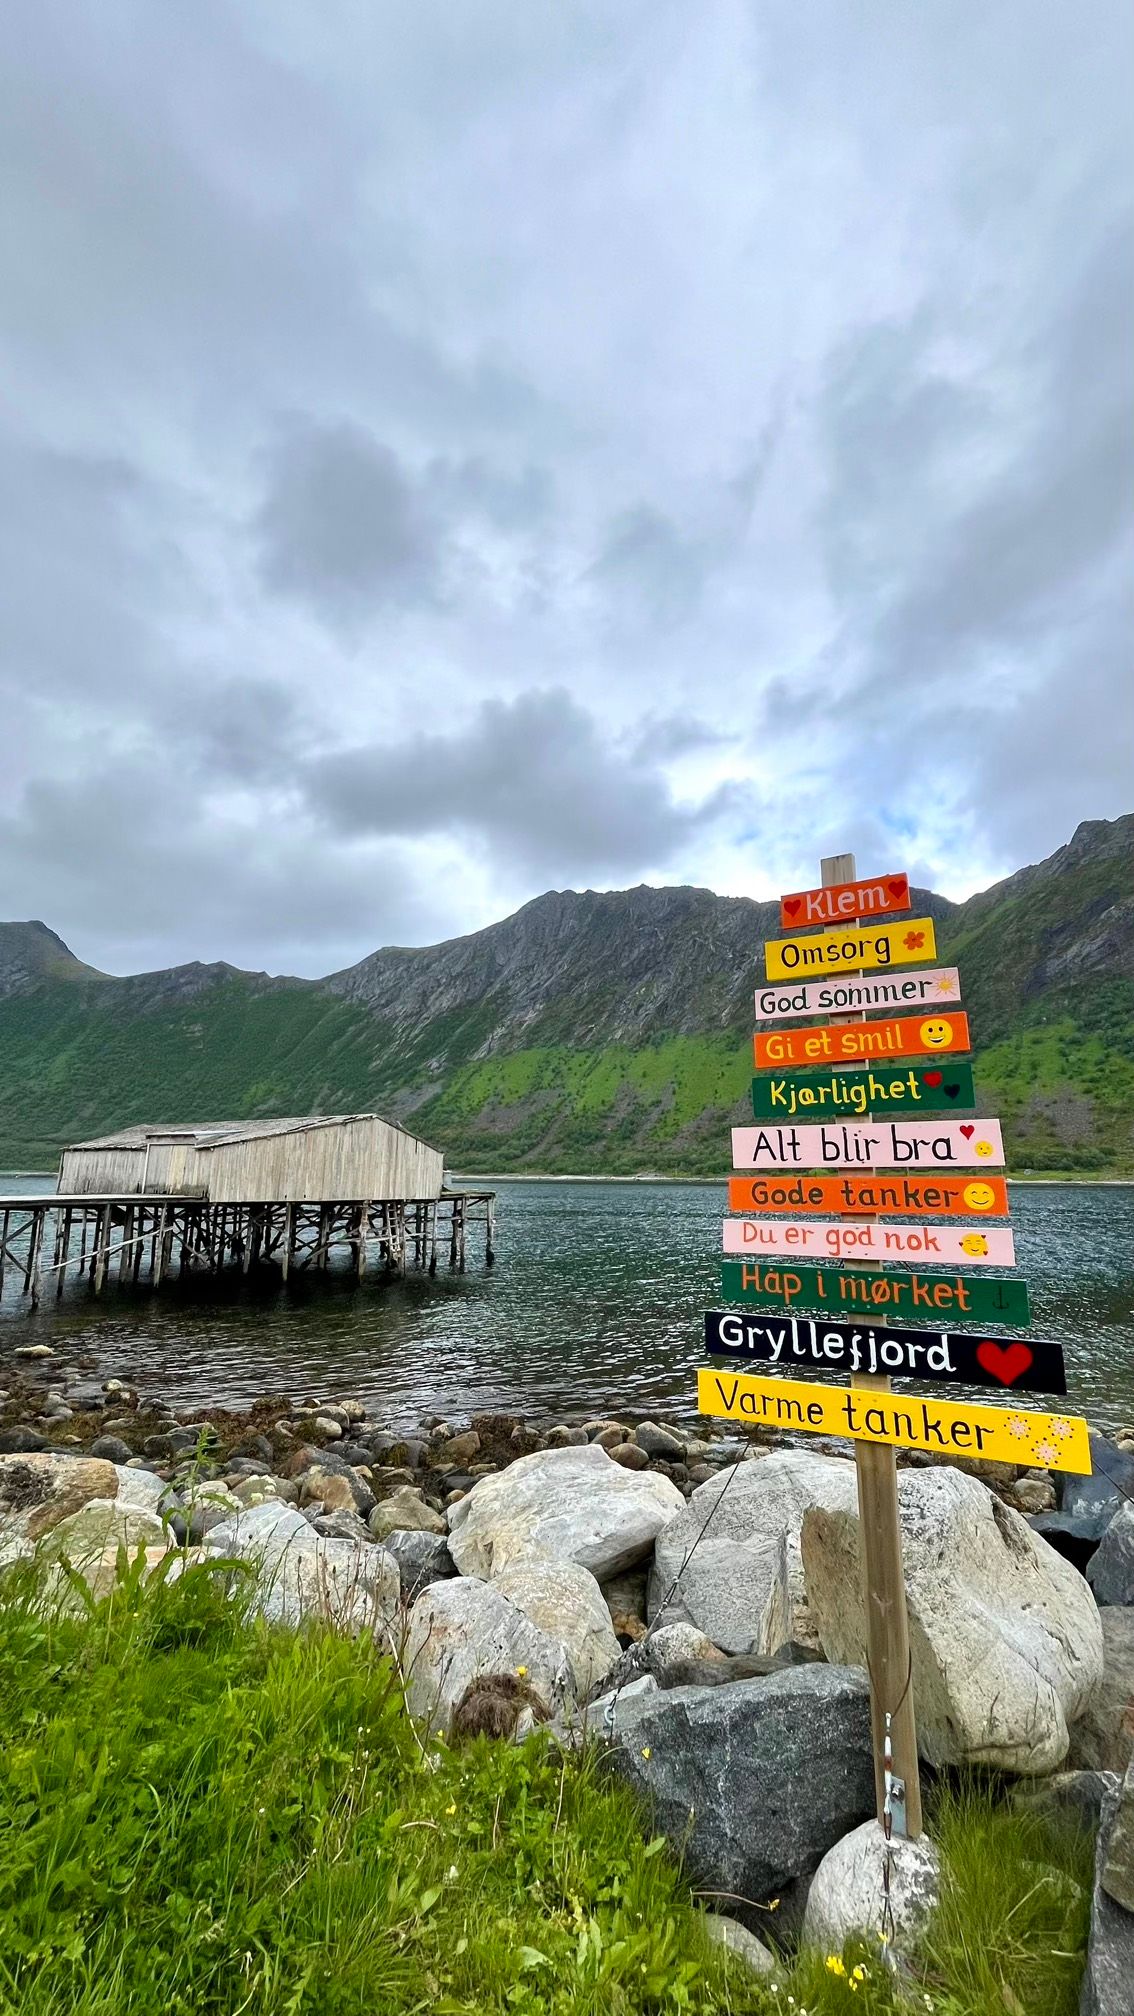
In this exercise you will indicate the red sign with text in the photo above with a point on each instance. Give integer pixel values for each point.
(841, 904)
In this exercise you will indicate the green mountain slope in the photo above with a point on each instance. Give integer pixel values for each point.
(586, 1032)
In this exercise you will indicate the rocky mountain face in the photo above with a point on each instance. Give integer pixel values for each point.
(587, 1031)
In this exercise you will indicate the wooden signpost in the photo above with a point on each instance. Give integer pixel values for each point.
(929, 1088)
(963, 1360)
(853, 996)
(894, 1144)
(869, 945)
(873, 1239)
(925, 1196)
(924, 1169)
(771, 1285)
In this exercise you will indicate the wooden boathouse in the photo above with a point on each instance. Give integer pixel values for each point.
(254, 1193)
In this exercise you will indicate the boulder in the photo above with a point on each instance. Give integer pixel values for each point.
(848, 1890)
(19, 1440)
(38, 1490)
(302, 1574)
(1111, 1568)
(735, 1548)
(753, 1783)
(672, 1646)
(258, 1490)
(566, 1603)
(111, 1448)
(1109, 1486)
(629, 1456)
(658, 1441)
(460, 1449)
(1005, 1637)
(743, 1945)
(102, 1526)
(1102, 1739)
(405, 1511)
(208, 1506)
(335, 1490)
(143, 1488)
(422, 1558)
(467, 1630)
(563, 1437)
(341, 1525)
(1074, 1537)
(1067, 1797)
(1110, 1950)
(571, 1504)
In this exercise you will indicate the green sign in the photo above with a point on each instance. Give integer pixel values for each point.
(812, 1095)
(847, 1291)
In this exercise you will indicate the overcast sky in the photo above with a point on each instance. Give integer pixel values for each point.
(452, 451)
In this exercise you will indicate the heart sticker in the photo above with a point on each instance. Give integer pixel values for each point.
(951, 1091)
(931, 1077)
(897, 889)
(1006, 1362)
(791, 906)
(968, 1132)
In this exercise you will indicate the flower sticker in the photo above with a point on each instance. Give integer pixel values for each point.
(1018, 1427)
(914, 940)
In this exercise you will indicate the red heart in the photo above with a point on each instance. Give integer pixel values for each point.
(1006, 1362)
(897, 889)
(968, 1132)
(791, 904)
(931, 1077)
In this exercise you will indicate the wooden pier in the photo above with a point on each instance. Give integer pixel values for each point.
(130, 1238)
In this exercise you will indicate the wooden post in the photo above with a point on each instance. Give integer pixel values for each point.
(884, 1593)
(289, 1240)
(126, 1255)
(102, 1241)
(63, 1254)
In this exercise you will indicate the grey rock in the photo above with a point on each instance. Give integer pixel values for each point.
(337, 1490)
(422, 1558)
(1109, 1975)
(1072, 1535)
(328, 1426)
(1117, 1877)
(1067, 1795)
(343, 1525)
(753, 1783)
(743, 1945)
(1111, 1482)
(405, 1510)
(112, 1447)
(566, 1603)
(466, 1630)
(157, 1447)
(353, 1585)
(355, 1453)
(1111, 1569)
(852, 1885)
(21, 1441)
(563, 1437)
(144, 1489)
(658, 1441)
(571, 1504)
(1102, 1737)
(630, 1456)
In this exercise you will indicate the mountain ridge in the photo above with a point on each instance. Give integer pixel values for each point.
(589, 1029)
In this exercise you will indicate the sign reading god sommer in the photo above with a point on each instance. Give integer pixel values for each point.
(862, 1042)
(871, 1239)
(859, 997)
(865, 947)
(921, 1196)
(927, 1088)
(844, 900)
(895, 1144)
(795, 1342)
(992, 1434)
(773, 1286)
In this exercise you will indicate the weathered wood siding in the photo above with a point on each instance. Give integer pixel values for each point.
(359, 1159)
(176, 1169)
(104, 1171)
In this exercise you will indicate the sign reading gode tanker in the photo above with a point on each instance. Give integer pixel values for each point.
(923, 1196)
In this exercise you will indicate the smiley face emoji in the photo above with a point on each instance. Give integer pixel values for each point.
(975, 1244)
(983, 1149)
(936, 1034)
(978, 1196)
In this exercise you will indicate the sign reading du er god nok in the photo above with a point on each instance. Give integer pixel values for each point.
(867, 946)
(863, 1042)
(797, 1343)
(873, 1239)
(931, 1088)
(893, 1144)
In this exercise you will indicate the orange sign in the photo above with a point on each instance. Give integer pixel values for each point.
(929, 1035)
(927, 1196)
(845, 901)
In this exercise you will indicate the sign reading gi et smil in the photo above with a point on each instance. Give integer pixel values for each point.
(992, 1434)
(862, 949)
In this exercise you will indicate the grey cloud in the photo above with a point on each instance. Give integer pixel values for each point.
(534, 780)
(341, 525)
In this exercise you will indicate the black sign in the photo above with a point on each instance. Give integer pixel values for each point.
(800, 1344)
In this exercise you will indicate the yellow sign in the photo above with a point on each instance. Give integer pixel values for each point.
(911, 943)
(939, 1427)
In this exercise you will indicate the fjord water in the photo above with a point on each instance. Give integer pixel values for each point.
(594, 1307)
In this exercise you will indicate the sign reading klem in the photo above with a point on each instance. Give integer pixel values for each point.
(862, 1042)
(991, 1434)
(797, 1343)
(844, 900)
(908, 944)
(886, 1144)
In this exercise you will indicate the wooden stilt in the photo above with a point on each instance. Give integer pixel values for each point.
(289, 1240)
(63, 1252)
(163, 1239)
(102, 1241)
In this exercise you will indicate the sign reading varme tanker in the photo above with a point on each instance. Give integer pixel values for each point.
(920, 1196)
(844, 900)
(774, 1284)
(893, 1144)
(871, 1239)
(867, 946)
(862, 1042)
(859, 996)
(921, 1088)
(937, 1427)
(797, 1343)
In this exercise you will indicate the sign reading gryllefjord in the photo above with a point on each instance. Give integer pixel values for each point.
(796, 1343)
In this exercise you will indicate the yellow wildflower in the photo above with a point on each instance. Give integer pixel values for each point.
(646, 1751)
(835, 1964)
(521, 1672)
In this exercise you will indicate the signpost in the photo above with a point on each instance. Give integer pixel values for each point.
(872, 1239)
(928, 1196)
(869, 945)
(838, 1289)
(894, 1144)
(940, 988)
(963, 1360)
(929, 1088)
(862, 1042)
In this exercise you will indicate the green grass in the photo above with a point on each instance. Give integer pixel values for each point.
(198, 1814)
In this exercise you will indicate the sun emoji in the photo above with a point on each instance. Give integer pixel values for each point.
(974, 1243)
(945, 985)
(983, 1149)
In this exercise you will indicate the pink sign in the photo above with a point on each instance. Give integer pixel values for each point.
(871, 1144)
(872, 1239)
(893, 992)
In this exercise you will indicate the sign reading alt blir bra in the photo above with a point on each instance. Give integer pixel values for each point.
(892, 1144)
